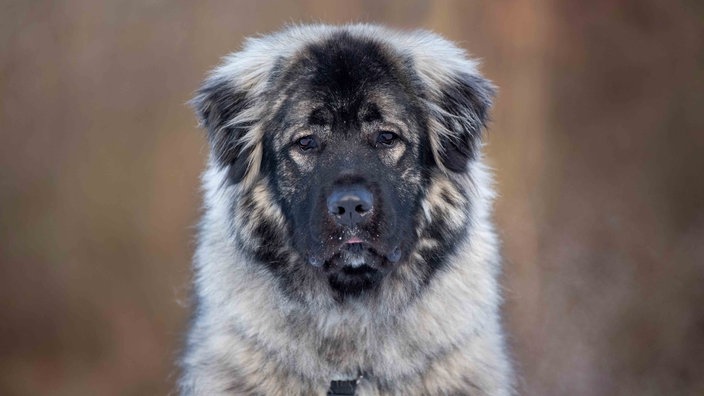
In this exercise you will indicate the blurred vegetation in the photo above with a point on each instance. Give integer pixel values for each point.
(597, 140)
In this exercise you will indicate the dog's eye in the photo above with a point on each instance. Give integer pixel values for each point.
(386, 138)
(307, 143)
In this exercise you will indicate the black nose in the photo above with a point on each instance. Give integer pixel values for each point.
(350, 205)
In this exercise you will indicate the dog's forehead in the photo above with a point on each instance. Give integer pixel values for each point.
(344, 77)
(344, 66)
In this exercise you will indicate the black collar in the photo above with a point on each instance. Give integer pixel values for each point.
(344, 388)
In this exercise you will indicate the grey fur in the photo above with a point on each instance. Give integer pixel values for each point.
(253, 335)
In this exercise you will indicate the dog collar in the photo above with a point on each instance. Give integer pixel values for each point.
(344, 388)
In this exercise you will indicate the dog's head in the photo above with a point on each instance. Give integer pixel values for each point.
(334, 139)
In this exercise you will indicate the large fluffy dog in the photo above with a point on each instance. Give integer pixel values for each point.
(346, 240)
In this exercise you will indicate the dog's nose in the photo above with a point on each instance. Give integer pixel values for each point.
(350, 205)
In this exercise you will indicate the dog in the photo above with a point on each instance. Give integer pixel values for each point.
(346, 244)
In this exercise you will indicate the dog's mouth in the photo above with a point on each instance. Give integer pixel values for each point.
(354, 252)
(355, 265)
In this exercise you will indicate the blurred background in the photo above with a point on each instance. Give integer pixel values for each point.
(597, 141)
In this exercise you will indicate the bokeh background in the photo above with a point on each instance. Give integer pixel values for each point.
(597, 141)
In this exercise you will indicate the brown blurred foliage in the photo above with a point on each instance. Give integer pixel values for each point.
(597, 142)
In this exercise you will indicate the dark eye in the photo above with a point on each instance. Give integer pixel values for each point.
(386, 138)
(307, 143)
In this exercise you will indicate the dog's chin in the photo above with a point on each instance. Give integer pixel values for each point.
(355, 269)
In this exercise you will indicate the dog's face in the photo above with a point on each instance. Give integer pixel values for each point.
(346, 153)
(346, 135)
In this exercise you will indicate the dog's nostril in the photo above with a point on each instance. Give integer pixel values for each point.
(350, 205)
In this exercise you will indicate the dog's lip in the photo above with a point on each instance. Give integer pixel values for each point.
(320, 255)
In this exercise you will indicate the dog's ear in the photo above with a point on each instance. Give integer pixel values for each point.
(458, 115)
(220, 107)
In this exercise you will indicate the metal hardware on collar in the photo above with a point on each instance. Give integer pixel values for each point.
(344, 388)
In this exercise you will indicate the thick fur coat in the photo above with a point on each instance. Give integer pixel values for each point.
(289, 293)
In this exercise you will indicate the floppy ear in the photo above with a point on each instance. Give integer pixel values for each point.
(461, 113)
(220, 107)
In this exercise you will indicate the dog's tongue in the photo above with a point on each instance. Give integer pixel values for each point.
(355, 240)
